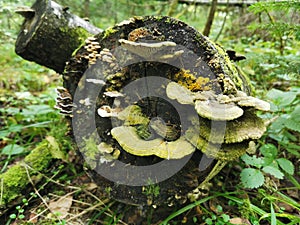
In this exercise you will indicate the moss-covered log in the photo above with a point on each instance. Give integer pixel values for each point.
(16, 179)
(50, 34)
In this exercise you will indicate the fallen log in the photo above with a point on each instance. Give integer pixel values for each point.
(50, 34)
(162, 105)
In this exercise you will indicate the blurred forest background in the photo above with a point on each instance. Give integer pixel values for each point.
(266, 33)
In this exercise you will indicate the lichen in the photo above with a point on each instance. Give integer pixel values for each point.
(90, 149)
(185, 78)
(190, 80)
(201, 84)
(169, 20)
(229, 68)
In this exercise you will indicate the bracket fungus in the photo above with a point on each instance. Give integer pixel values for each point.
(152, 50)
(166, 121)
(248, 126)
(64, 101)
(179, 93)
(214, 110)
(130, 141)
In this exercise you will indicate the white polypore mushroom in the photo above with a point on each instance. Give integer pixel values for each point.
(147, 50)
(131, 142)
(214, 110)
(180, 93)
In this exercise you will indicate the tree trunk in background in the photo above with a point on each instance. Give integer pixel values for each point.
(50, 34)
(210, 18)
(172, 9)
(87, 8)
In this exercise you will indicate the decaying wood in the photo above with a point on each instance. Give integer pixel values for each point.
(50, 34)
(210, 68)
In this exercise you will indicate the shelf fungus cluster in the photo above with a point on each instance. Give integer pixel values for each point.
(228, 123)
(64, 101)
(187, 100)
(92, 47)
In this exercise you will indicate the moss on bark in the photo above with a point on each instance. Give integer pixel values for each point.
(14, 181)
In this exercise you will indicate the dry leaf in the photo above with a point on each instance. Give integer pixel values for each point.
(91, 186)
(61, 206)
(239, 221)
(33, 218)
(55, 149)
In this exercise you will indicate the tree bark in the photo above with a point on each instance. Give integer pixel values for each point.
(210, 18)
(50, 34)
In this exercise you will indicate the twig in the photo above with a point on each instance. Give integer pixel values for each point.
(37, 192)
(224, 21)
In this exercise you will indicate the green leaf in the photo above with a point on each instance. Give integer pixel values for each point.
(286, 165)
(15, 128)
(269, 151)
(21, 216)
(225, 217)
(55, 149)
(195, 219)
(273, 216)
(279, 123)
(219, 208)
(10, 129)
(273, 171)
(281, 98)
(252, 160)
(295, 114)
(208, 221)
(13, 216)
(4, 133)
(12, 111)
(13, 149)
(37, 110)
(252, 178)
(293, 122)
(292, 148)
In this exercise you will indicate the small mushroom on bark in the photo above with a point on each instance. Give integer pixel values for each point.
(107, 111)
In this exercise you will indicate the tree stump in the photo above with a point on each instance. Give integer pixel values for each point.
(157, 109)
(50, 34)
